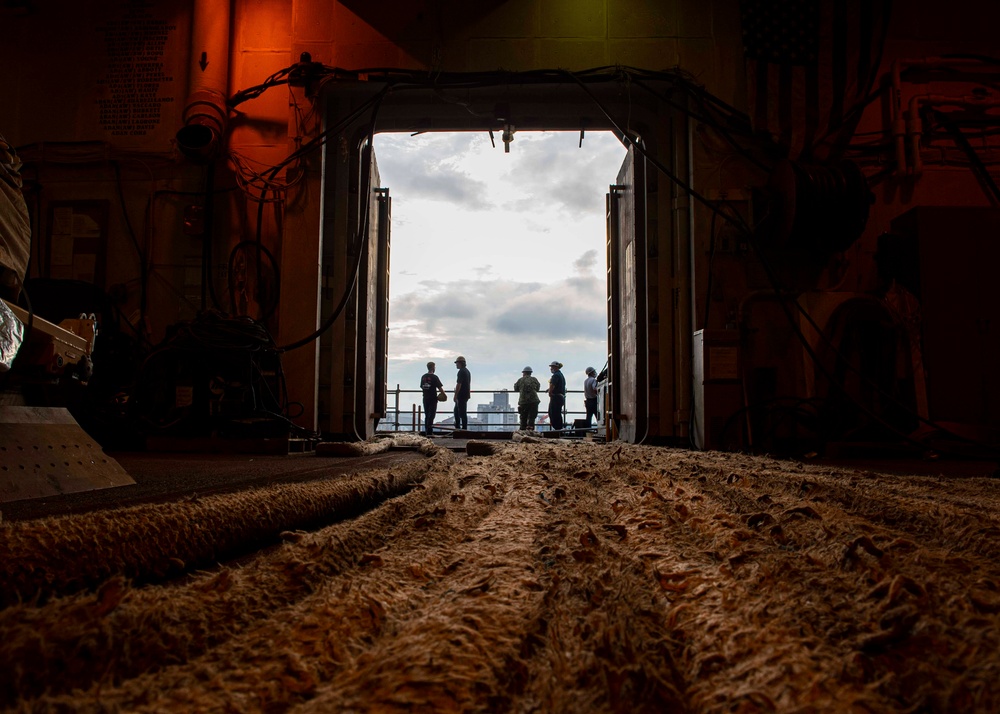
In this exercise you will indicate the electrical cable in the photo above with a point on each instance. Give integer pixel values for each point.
(401, 80)
(740, 224)
(710, 122)
(985, 59)
(978, 168)
(266, 310)
(135, 242)
(207, 284)
(299, 153)
(359, 239)
(95, 152)
(207, 195)
(211, 332)
(772, 278)
(266, 314)
(356, 268)
(581, 78)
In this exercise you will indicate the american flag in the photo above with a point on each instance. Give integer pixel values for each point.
(808, 63)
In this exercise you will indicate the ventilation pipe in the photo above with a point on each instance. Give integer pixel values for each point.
(899, 125)
(205, 113)
(915, 126)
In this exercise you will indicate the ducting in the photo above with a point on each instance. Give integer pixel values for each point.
(205, 113)
(914, 126)
(899, 127)
(204, 125)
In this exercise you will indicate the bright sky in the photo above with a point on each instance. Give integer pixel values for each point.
(496, 256)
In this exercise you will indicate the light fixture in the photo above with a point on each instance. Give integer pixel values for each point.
(507, 137)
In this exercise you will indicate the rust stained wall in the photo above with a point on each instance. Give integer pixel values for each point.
(111, 72)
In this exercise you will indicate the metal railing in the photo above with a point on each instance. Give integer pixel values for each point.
(415, 421)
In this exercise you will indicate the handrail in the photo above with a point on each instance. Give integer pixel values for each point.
(417, 420)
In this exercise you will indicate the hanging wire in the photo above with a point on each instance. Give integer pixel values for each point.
(736, 123)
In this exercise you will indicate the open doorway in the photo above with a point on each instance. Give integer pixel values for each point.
(647, 233)
(499, 255)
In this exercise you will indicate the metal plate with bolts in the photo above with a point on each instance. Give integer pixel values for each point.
(44, 452)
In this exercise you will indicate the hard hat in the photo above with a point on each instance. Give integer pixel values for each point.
(460, 358)
(526, 369)
(555, 364)
(591, 370)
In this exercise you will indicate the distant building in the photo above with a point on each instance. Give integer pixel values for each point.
(498, 415)
(405, 419)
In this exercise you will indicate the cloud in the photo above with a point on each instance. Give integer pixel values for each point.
(435, 304)
(550, 154)
(554, 322)
(444, 184)
(535, 226)
(550, 170)
(586, 262)
(427, 168)
(486, 316)
(565, 310)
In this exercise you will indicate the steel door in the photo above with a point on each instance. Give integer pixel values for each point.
(382, 305)
(373, 309)
(627, 334)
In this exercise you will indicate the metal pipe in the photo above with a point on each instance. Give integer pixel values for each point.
(205, 114)
(914, 126)
(899, 125)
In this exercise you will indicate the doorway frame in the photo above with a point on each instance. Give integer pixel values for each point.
(556, 104)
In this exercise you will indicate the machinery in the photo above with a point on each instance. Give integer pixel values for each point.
(56, 350)
(45, 451)
(212, 377)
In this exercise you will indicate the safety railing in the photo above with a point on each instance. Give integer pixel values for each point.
(411, 419)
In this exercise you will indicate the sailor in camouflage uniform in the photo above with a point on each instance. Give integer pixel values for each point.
(527, 403)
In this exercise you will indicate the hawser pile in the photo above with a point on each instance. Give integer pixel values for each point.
(543, 577)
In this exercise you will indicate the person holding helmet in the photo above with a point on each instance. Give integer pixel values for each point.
(463, 391)
(431, 386)
(557, 396)
(527, 404)
(590, 395)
